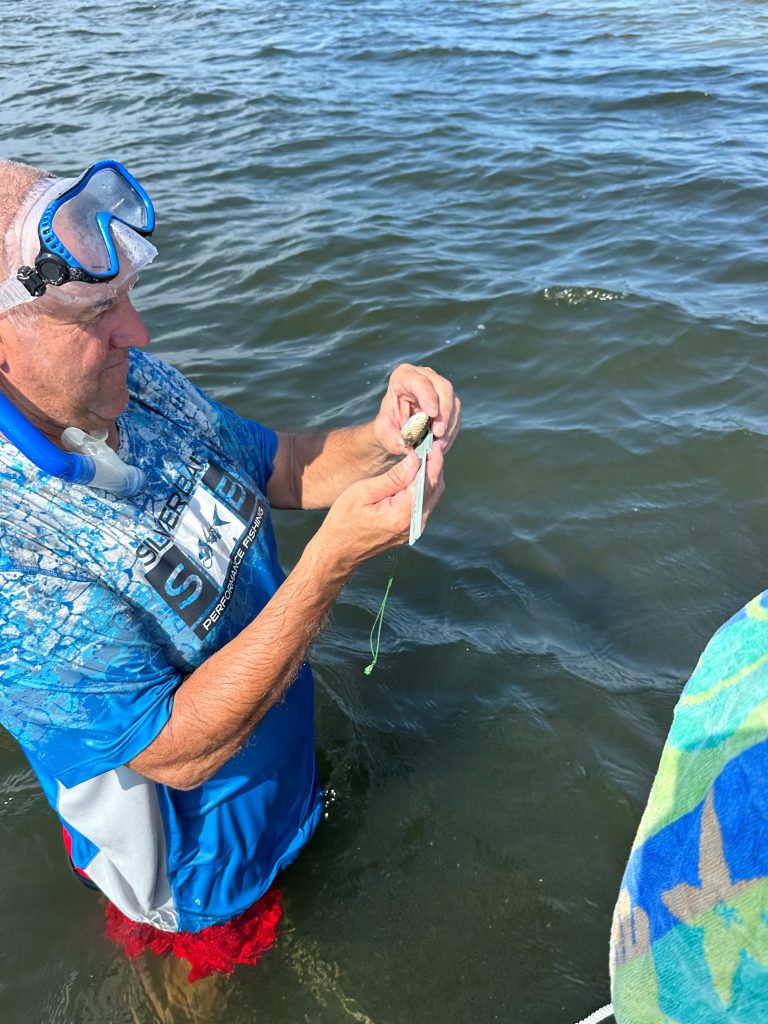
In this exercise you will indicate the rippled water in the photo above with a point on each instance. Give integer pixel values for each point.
(561, 206)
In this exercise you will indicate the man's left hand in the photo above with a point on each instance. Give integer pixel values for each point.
(417, 389)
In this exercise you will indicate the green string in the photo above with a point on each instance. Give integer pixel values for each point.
(378, 621)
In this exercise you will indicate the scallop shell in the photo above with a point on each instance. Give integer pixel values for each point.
(415, 429)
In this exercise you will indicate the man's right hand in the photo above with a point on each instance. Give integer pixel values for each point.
(218, 706)
(373, 515)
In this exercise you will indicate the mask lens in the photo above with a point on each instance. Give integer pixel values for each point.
(77, 223)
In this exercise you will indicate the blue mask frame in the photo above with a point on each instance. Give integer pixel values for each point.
(55, 264)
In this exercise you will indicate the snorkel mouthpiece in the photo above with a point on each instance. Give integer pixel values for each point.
(92, 468)
(110, 473)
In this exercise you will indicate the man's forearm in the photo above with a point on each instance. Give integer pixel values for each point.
(217, 707)
(320, 465)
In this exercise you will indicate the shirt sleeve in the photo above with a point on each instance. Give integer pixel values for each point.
(248, 443)
(85, 686)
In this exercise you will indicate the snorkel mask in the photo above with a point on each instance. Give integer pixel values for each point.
(81, 242)
(86, 238)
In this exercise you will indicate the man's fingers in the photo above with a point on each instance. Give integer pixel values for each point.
(446, 399)
(431, 393)
(431, 499)
(453, 426)
(429, 504)
(396, 479)
(435, 460)
(435, 482)
(425, 394)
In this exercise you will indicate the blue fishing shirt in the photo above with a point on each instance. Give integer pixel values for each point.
(108, 603)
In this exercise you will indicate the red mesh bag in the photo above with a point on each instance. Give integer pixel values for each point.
(213, 950)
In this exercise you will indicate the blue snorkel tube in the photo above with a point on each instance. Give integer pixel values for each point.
(91, 463)
(38, 449)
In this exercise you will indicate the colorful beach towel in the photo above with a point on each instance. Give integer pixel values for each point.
(689, 943)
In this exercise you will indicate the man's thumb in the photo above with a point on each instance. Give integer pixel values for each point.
(395, 479)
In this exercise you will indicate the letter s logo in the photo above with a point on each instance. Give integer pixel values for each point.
(191, 580)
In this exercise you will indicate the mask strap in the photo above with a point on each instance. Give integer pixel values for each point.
(13, 293)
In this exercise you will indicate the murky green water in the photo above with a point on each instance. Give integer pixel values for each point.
(561, 206)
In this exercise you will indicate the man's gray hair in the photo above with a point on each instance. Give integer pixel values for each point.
(16, 179)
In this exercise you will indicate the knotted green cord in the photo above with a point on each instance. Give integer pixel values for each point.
(379, 620)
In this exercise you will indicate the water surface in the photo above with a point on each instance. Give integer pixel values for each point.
(560, 206)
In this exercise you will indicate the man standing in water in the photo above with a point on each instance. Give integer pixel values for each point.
(152, 649)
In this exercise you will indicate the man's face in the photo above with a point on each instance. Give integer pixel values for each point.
(71, 372)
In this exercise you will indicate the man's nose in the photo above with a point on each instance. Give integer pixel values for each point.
(127, 330)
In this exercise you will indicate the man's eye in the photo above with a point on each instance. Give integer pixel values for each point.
(93, 313)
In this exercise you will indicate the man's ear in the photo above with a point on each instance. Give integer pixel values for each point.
(7, 337)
